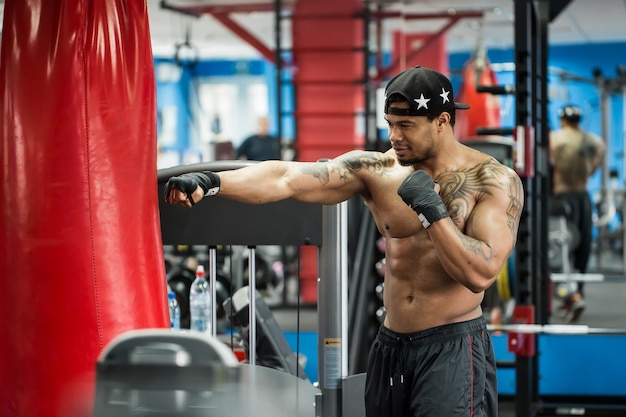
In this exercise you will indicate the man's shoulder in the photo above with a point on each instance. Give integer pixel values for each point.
(490, 168)
(594, 137)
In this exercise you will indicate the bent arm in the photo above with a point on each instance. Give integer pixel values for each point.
(476, 257)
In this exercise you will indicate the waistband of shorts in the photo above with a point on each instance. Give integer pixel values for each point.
(434, 334)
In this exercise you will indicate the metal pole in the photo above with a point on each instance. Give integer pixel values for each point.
(252, 304)
(212, 280)
(623, 212)
(603, 229)
(332, 308)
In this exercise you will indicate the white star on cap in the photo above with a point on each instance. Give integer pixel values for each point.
(422, 102)
(444, 95)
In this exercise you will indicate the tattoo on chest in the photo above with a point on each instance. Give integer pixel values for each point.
(461, 189)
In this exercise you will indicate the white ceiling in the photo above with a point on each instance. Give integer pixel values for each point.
(581, 22)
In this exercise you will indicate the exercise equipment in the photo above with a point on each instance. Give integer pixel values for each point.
(81, 252)
(573, 378)
(563, 238)
(272, 347)
(155, 372)
(182, 374)
(216, 221)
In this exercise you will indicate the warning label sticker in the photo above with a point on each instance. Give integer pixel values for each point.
(332, 363)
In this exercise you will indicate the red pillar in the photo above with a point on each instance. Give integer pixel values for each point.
(329, 92)
(80, 249)
(329, 77)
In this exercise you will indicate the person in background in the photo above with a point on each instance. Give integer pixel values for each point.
(449, 215)
(575, 155)
(261, 146)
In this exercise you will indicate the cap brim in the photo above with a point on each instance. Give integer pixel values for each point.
(461, 106)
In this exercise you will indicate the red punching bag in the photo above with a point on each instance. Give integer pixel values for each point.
(485, 108)
(80, 247)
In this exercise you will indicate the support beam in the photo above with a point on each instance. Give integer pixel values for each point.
(240, 31)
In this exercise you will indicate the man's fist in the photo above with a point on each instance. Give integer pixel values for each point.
(418, 191)
(208, 181)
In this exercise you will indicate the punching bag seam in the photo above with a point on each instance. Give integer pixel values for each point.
(83, 43)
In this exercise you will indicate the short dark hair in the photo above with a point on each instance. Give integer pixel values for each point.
(571, 113)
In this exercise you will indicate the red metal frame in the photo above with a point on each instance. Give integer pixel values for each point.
(221, 14)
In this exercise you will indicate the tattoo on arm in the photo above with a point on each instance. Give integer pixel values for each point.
(461, 188)
(347, 165)
(516, 205)
(319, 171)
(475, 246)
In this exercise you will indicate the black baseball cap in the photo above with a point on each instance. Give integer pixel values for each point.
(427, 91)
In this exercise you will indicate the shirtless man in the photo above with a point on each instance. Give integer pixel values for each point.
(575, 156)
(446, 241)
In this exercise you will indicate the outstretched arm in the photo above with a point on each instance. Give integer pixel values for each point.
(319, 182)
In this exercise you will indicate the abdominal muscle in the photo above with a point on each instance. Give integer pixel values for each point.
(418, 293)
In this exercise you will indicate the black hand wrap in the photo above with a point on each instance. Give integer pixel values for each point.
(418, 191)
(187, 183)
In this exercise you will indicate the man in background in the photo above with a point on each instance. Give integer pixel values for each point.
(575, 156)
(261, 146)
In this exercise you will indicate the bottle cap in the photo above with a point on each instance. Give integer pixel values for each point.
(200, 271)
(171, 295)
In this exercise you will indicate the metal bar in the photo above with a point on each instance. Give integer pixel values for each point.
(358, 265)
(252, 303)
(332, 308)
(417, 16)
(554, 329)
(576, 276)
(244, 34)
(498, 131)
(623, 212)
(361, 316)
(212, 281)
(496, 89)
(524, 377)
(278, 29)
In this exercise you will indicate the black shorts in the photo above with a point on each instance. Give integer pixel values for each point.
(447, 371)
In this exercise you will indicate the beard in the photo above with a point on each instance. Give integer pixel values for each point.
(412, 158)
(407, 162)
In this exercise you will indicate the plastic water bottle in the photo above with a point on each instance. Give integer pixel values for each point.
(174, 310)
(200, 303)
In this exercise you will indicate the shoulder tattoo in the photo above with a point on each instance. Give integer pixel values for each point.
(460, 188)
